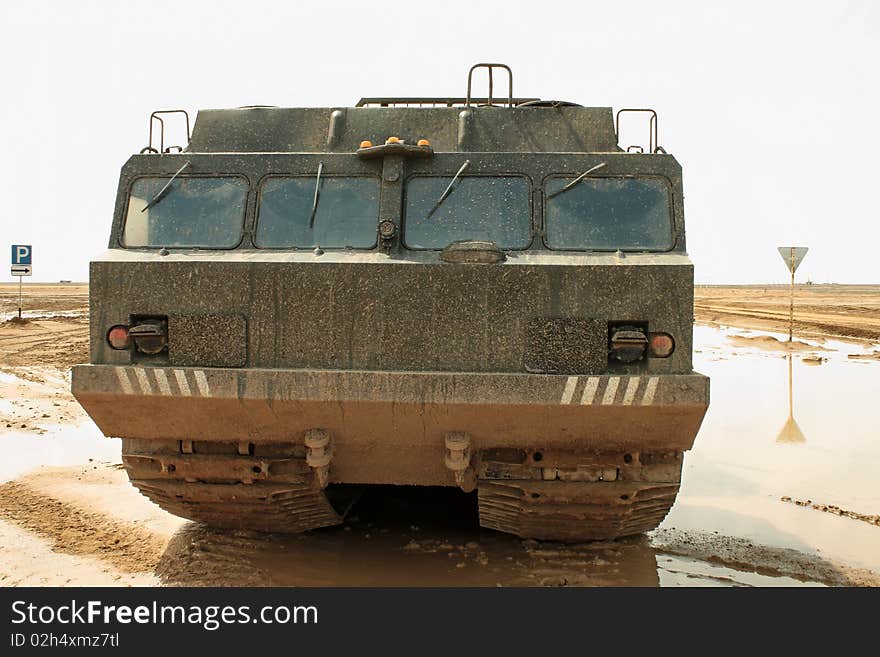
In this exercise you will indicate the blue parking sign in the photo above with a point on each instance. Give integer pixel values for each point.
(21, 254)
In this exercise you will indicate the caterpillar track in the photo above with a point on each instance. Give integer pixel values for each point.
(577, 497)
(266, 488)
(271, 488)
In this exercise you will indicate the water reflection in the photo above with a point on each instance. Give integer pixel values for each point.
(402, 536)
(790, 432)
(735, 476)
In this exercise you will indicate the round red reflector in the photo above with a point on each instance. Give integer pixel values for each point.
(662, 345)
(118, 337)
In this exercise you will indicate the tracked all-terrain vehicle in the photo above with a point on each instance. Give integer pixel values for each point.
(475, 292)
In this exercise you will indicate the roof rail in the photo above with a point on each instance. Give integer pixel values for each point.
(490, 68)
(157, 116)
(653, 124)
(467, 101)
(434, 102)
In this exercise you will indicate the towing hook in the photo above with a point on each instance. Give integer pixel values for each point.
(319, 453)
(458, 459)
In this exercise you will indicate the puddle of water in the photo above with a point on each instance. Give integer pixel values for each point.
(681, 571)
(62, 445)
(708, 339)
(744, 460)
(5, 377)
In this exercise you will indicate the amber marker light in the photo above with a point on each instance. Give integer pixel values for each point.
(661, 345)
(424, 142)
(393, 140)
(366, 143)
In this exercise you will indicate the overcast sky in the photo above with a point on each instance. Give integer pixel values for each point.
(770, 107)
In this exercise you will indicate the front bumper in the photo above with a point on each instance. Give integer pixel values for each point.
(394, 422)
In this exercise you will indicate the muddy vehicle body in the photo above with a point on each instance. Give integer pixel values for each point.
(482, 293)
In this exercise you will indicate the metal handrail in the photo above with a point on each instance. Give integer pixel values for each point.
(155, 116)
(653, 146)
(491, 67)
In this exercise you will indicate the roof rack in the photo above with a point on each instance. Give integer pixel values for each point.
(434, 102)
(455, 102)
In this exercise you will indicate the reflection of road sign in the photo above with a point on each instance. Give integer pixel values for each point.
(22, 270)
(793, 256)
(790, 432)
(21, 254)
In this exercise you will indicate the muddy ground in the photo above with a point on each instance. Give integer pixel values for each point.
(822, 311)
(779, 489)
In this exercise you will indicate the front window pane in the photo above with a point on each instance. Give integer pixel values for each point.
(347, 213)
(478, 208)
(190, 212)
(609, 214)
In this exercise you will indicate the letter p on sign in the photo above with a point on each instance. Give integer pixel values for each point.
(21, 254)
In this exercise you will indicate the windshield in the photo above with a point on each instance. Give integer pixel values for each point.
(609, 214)
(190, 212)
(344, 212)
(476, 208)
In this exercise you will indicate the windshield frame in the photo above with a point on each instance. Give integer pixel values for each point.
(670, 190)
(533, 227)
(312, 176)
(242, 233)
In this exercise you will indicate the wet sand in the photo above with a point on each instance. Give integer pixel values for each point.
(821, 311)
(69, 517)
(55, 330)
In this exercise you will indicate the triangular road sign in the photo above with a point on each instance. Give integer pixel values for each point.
(793, 255)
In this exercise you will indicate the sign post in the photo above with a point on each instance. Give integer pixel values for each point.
(792, 256)
(21, 266)
(791, 431)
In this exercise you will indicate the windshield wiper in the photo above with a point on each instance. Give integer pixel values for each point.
(317, 195)
(448, 189)
(158, 197)
(577, 180)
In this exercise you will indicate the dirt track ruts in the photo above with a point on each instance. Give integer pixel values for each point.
(823, 311)
(76, 531)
